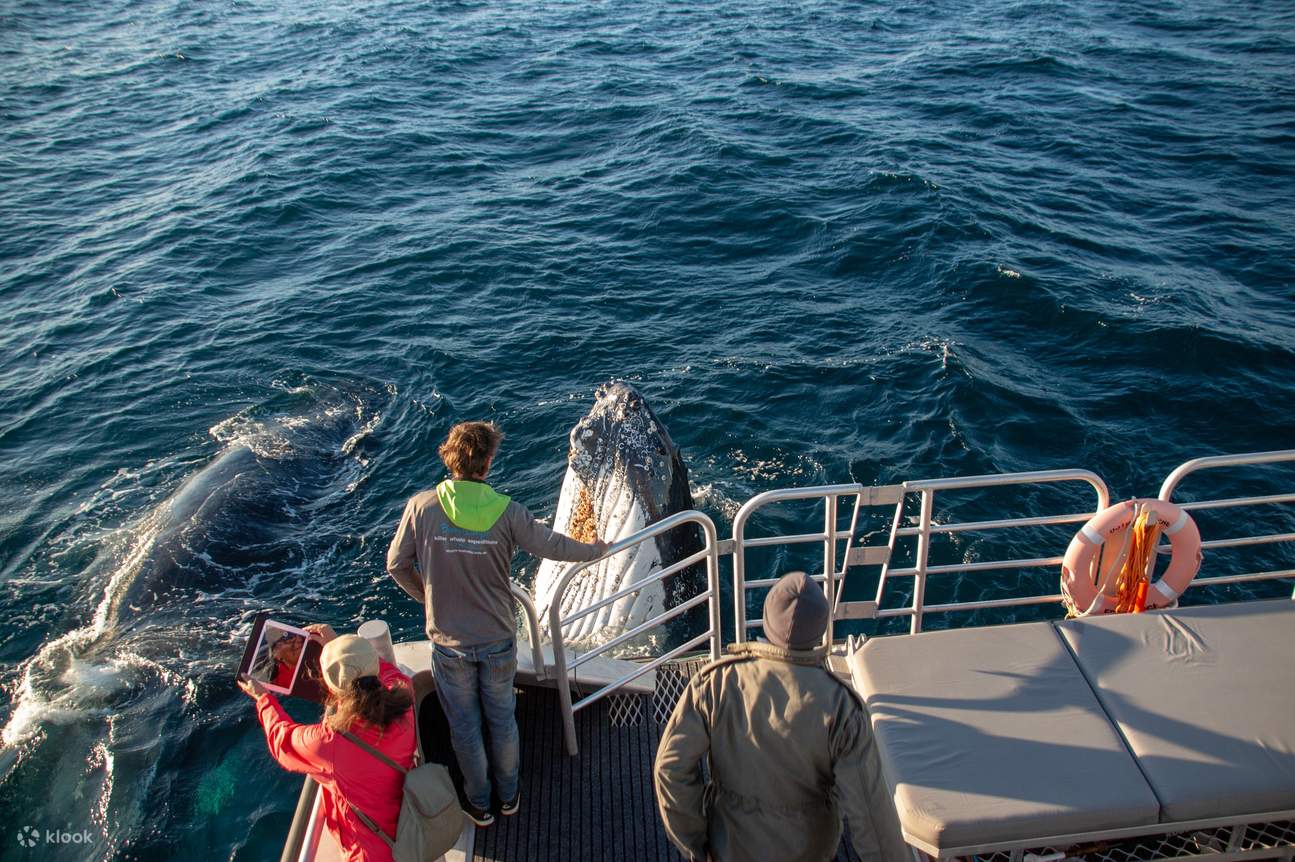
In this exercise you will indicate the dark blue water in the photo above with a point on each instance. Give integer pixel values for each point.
(830, 242)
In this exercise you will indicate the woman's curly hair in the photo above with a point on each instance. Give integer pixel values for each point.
(367, 700)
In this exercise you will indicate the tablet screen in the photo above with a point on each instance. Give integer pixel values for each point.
(283, 658)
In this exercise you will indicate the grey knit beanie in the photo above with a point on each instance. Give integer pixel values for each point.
(795, 612)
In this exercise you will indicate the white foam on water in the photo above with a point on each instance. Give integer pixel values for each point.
(781, 465)
(366, 428)
(59, 688)
(263, 438)
(91, 694)
(708, 496)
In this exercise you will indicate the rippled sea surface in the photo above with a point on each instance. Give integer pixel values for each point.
(830, 242)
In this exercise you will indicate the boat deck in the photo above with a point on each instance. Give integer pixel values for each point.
(597, 805)
(1191, 712)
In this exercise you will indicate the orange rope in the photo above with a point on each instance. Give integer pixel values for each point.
(1134, 577)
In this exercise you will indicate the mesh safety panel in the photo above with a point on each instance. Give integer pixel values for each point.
(1258, 840)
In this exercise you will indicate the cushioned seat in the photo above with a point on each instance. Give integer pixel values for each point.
(993, 735)
(1205, 698)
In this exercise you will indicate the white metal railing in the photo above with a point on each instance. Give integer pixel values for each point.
(834, 580)
(1196, 465)
(533, 625)
(864, 495)
(837, 563)
(926, 528)
(711, 595)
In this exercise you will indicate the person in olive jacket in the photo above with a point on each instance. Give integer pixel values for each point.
(787, 746)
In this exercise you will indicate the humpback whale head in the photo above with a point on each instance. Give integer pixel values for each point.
(624, 473)
(621, 447)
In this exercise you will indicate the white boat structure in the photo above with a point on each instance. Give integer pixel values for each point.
(1168, 734)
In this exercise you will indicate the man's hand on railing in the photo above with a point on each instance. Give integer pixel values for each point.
(601, 546)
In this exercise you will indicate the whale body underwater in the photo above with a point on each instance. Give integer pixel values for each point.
(111, 714)
(168, 585)
(624, 473)
(231, 519)
(166, 559)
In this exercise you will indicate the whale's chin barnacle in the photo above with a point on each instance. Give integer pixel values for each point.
(583, 526)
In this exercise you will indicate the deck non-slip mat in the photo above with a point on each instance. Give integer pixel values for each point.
(599, 804)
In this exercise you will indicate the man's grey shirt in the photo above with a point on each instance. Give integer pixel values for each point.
(462, 576)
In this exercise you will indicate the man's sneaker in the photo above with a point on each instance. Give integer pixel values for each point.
(479, 816)
(508, 809)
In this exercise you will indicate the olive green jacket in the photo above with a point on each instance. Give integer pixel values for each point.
(788, 748)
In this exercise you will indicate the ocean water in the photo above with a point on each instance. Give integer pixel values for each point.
(829, 242)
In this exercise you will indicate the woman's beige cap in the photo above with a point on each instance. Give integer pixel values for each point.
(345, 659)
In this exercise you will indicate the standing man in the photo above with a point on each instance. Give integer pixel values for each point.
(787, 746)
(452, 552)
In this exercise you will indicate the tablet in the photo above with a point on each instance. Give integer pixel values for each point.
(283, 658)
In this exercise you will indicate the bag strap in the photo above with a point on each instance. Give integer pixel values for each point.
(369, 823)
(387, 760)
(374, 752)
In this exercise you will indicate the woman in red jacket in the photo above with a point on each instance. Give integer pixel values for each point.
(370, 699)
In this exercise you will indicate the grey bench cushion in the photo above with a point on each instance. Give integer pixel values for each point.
(1205, 697)
(993, 735)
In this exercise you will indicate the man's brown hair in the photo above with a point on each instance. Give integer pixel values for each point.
(469, 447)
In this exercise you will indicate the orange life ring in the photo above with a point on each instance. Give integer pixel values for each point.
(1078, 583)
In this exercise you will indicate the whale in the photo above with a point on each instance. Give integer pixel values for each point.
(229, 519)
(104, 709)
(172, 540)
(624, 473)
(167, 587)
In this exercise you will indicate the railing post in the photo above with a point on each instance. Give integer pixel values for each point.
(739, 573)
(849, 547)
(712, 586)
(923, 550)
(563, 680)
(891, 543)
(829, 564)
(533, 623)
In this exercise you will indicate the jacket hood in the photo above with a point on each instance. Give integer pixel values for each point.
(812, 657)
(469, 505)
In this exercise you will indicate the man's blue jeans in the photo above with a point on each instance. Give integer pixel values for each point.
(473, 683)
